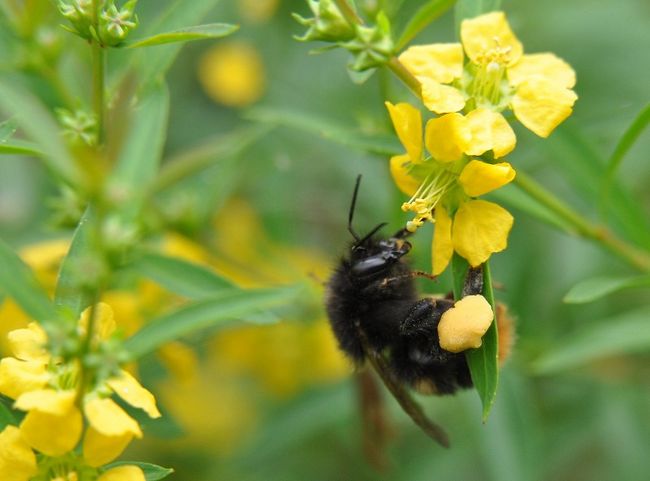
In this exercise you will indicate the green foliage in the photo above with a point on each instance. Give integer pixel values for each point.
(19, 282)
(624, 333)
(199, 32)
(222, 307)
(591, 289)
(426, 14)
(181, 277)
(152, 472)
(483, 362)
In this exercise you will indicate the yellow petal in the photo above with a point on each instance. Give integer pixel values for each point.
(47, 401)
(489, 131)
(446, 137)
(104, 321)
(28, 344)
(18, 377)
(51, 434)
(488, 33)
(480, 229)
(399, 170)
(129, 389)
(542, 106)
(440, 98)
(478, 178)
(123, 473)
(544, 65)
(442, 62)
(462, 327)
(99, 449)
(441, 247)
(407, 121)
(17, 460)
(109, 419)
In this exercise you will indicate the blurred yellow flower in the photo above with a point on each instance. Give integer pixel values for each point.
(497, 76)
(257, 11)
(232, 73)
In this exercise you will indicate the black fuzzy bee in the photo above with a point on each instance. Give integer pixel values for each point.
(375, 309)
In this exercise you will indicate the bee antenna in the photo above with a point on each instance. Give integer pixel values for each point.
(352, 207)
(371, 233)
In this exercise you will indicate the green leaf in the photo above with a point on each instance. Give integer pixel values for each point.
(67, 294)
(426, 14)
(152, 472)
(138, 162)
(513, 196)
(18, 282)
(574, 156)
(626, 333)
(381, 144)
(203, 156)
(228, 305)
(7, 129)
(592, 289)
(6, 416)
(627, 140)
(473, 8)
(181, 277)
(198, 32)
(483, 362)
(39, 126)
(152, 65)
(20, 147)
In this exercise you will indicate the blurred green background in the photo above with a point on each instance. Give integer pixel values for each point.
(573, 399)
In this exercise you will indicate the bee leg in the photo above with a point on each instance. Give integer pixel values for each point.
(419, 318)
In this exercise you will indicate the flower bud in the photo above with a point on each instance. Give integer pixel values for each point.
(327, 25)
(372, 46)
(115, 25)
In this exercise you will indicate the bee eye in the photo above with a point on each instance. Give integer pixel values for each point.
(370, 265)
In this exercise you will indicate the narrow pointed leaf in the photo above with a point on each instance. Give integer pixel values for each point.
(591, 289)
(67, 295)
(426, 14)
(198, 32)
(18, 282)
(626, 333)
(229, 305)
(152, 472)
(20, 147)
(329, 129)
(181, 277)
(483, 361)
(40, 127)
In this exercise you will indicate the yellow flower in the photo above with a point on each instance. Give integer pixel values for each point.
(496, 76)
(46, 388)
(17, 460)
(443, 187)
(232, 74)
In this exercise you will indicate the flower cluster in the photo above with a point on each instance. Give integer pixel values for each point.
(466, 143)
(109, 26)
(63, 398)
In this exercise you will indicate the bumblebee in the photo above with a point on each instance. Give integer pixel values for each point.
(375, 309)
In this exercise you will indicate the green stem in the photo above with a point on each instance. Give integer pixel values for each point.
(597, 233)
(405, 76)
(85, 348)
(348, 12)
(99, 75)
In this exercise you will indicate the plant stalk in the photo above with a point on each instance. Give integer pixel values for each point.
(600, 234)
